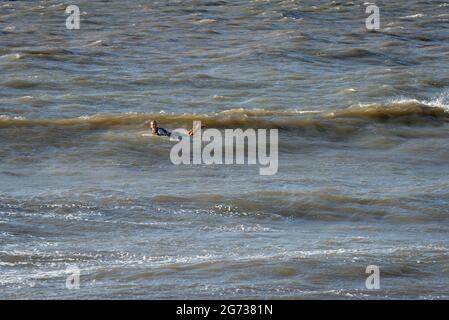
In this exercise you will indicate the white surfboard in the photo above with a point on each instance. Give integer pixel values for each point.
(178, 136)
(175, 136)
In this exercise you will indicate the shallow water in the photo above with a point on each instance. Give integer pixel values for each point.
(363, 150)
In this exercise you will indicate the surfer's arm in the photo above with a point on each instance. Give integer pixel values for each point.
(192, 131)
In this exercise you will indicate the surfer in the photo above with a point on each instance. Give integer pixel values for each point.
(158, 130)
(163, 132)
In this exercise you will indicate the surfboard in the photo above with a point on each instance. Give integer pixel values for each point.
(175, 136)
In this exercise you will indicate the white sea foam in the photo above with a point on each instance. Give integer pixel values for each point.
(418, 15)
(441, 101)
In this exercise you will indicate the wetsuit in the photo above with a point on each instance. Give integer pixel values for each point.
(162, 132)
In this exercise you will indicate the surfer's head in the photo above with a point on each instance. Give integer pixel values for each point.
(153, 126)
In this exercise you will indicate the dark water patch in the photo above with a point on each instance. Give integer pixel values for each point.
(19, 84)
(216, 3)
(13, 174)
(412, 112)
(48, 54)
(435, 82)
(292, 14)
(364, 54)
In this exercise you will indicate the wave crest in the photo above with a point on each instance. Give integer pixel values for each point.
(406, 111)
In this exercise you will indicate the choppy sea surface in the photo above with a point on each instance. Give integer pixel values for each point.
(363, 150)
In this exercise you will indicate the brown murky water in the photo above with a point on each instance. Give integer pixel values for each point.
(363, 149)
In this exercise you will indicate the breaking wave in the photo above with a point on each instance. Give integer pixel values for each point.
(406, 111)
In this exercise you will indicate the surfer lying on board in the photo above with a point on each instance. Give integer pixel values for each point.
(163, 132)
(158, 130)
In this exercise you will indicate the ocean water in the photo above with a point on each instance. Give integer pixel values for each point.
(363, 150)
